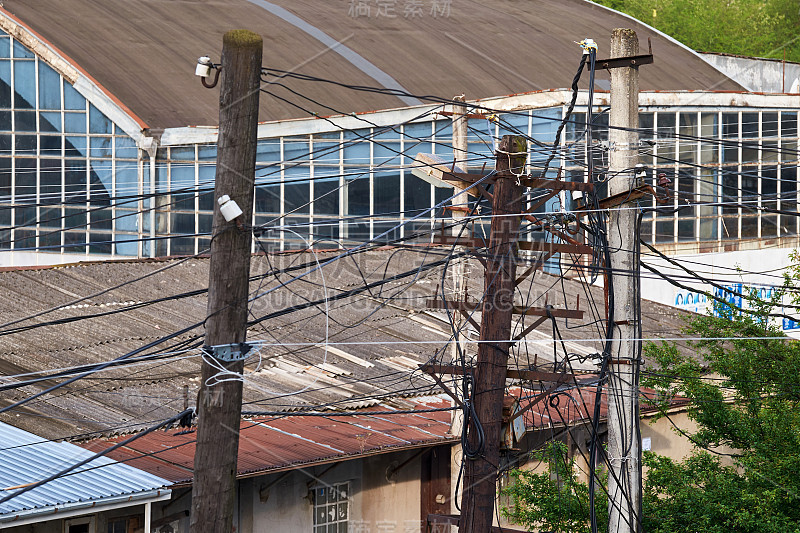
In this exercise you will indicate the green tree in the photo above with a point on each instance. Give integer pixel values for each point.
(743, 387)
(554, 500)
(759, 28)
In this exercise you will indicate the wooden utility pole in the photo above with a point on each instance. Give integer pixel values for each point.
(624, 446)
(219, 406)
(480, 479)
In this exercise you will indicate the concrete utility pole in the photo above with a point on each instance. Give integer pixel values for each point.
(459, 265)
(480, 479)
(624, 446)
(458, 269)
(219, 406)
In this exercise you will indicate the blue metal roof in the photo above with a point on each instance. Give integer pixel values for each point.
(26, 458)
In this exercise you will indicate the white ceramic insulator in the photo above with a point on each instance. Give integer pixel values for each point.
(229, 209)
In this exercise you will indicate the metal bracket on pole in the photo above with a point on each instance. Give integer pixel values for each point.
(229, 352)
(630, 61)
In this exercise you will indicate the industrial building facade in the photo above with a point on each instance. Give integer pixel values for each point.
(76, 183)
(107, 168)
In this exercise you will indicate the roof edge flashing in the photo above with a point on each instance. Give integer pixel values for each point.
(42, 49)
(88, 87)
(530, 101)
(58, 512)
(118, 115)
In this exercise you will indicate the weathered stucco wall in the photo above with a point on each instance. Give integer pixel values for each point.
(282, 502)
(758, 75)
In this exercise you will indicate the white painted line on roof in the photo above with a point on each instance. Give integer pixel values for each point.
(335, 369)
(345, 355)
(357, 60)
(415, 427)
(298, 437)
(368, 428)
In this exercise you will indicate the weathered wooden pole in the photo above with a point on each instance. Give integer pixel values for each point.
(219, 405)
(480, 480)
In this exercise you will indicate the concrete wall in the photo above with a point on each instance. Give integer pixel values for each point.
(727, 268)
(283, 501)
(665, 440)
(758, 75)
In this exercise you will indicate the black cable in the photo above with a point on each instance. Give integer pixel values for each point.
(563, 123)
(347, 413)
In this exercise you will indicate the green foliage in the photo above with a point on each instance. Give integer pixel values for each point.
(759, 28)
(701, 495)
(554, 500)
(742, 388)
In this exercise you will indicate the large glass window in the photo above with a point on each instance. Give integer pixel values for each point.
(59, 171)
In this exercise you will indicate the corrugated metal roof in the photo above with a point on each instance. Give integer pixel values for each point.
(26, 458)
(144, 52)
(364, 327)
(569, 404)
(271, 444)
(275, 444)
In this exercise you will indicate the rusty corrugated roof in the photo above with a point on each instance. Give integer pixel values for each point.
(575, 403)
(144, 52)
(269, 444)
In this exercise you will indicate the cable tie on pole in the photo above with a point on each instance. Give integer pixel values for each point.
(623, 459)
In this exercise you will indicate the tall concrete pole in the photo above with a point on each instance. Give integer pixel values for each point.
(624, 446)
(458, 266)
(459, 279)
(219, 406)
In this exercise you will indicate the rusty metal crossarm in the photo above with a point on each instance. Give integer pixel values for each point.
(541, 396)
(616, 199)
(531, 375)
(530, 328)
(541, 201)
(469, 318)
(518, 310)
(445, 388)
